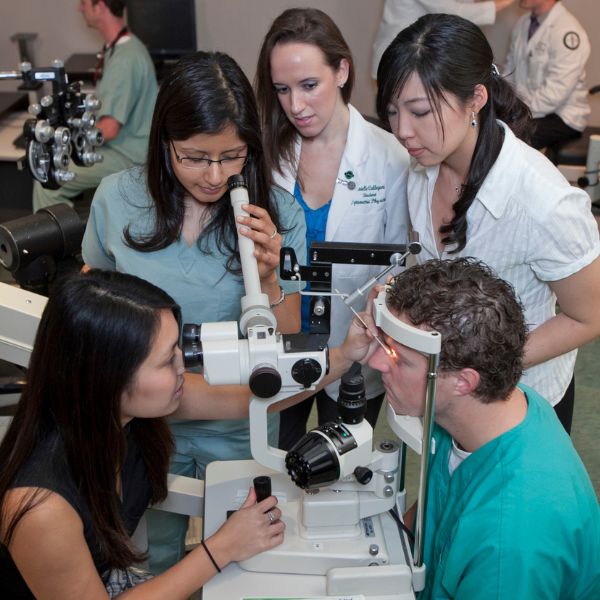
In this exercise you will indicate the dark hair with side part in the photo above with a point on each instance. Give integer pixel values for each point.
(307, 26)
(204, 93)
(477, 314)
(451, 55)
(95, 332)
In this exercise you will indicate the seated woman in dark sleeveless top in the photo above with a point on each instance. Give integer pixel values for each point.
(89, 448)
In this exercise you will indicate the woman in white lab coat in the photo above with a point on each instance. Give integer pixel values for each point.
(348, 174)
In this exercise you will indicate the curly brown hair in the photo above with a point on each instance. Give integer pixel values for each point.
(477, 313)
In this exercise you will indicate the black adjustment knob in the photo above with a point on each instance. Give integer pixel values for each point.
(363, 475)
(265, 382)
(352, 402)
(583, 182)
(313, 462)
(306, 371)
(29, 129)
(262, 487)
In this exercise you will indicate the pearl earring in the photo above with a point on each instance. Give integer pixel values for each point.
(474, 121)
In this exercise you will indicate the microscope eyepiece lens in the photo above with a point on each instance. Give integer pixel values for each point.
(236, 181)
(191, 346)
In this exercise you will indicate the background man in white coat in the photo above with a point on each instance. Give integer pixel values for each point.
(546, 62)
(398, 14)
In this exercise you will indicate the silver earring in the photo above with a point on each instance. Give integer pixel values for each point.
(474, 121)
(341, 86)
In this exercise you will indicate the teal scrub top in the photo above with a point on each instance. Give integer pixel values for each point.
(128, 92)
(518, 519)
(197, 281)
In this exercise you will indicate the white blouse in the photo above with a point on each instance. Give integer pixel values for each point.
(531, 227)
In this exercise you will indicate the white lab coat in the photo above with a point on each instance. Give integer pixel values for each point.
(399, 14)
(549, 69)
(374, 211)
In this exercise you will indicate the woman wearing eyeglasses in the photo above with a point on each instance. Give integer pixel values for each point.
(172, 224)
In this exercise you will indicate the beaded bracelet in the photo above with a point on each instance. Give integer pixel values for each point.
(280, 299)
(212, 560)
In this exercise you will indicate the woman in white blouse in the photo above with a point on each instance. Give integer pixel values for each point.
(477, 189)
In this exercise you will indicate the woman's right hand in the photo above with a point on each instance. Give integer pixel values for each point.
(248, 531)
(360, 344)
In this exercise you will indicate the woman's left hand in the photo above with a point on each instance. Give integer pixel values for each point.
(254, 528)
(267, 240)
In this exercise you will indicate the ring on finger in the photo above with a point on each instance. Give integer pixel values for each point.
(272, 236)
(271, 516)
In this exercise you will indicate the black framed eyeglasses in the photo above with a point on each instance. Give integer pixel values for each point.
(201, 164)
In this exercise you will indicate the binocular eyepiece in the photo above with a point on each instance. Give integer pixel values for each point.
(191, 346)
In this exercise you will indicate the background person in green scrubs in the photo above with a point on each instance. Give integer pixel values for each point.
(127, 87)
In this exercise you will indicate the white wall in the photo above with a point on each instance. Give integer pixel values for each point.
(241, 35)
(61, 30)
(237, 27)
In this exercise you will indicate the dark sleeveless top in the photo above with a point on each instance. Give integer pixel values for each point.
(48, 468)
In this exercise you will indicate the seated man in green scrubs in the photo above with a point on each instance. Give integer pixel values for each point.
(127, 88)
(511, 510)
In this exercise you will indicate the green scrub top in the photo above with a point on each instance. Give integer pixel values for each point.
(518, 519)
(128, 91)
